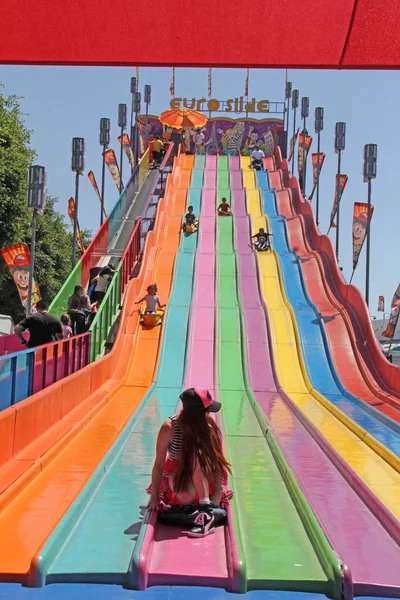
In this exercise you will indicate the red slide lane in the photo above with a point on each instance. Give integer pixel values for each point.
(350, 363)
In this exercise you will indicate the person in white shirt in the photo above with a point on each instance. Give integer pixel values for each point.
(257, 158)
(198, 142)
(151, 299)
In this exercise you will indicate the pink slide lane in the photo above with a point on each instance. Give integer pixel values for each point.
(169, 556)
(370, 557)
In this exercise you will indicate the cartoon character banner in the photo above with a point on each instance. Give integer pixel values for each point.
(317, 166)
(381, 304)
(71, 214)
(126, 143)
(18, 260)
(342, 185)
(360, 221)
(224, 135)
(394, 315)
(111, 162)
(305, 142)
(293, 141)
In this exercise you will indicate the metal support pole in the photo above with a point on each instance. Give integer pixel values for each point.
(338, 205)
(137, 144)
(304, 157)
(319, 169)
(146, 134)
(130, 131)
(294, 145)
(103, 174)
(368, 243)
(32, 266)
(287, 127)
(121, 157)
(75, 219)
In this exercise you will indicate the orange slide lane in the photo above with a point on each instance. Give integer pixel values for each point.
(31, 512)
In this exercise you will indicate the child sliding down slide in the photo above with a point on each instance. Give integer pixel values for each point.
(191, 221)
(224, 210)
(262, 241)
(150, 315)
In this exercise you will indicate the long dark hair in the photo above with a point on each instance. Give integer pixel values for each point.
(201, 440)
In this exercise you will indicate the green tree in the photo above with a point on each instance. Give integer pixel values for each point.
(54, 240)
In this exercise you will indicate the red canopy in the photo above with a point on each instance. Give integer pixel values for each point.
(238, 33)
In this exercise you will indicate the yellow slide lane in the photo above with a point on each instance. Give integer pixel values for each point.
(379, 476)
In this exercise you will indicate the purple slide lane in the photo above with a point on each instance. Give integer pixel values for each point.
(168, 556)
(358, 538)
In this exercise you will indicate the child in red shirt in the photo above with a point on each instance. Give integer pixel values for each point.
(224, 210)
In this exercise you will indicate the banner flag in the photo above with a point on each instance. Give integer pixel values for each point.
(137, 79)
(381, 304)
(394, 315)
(209, 81)
(172, 86)
(111, 162)
(126, 143)
(360, 220)
(343, 181)
(293, 141)
(246, 85)
(305, 142)
(93, 181)
(316, 170)
(71, 214)
(18, 260)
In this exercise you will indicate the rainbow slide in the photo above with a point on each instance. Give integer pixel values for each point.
(315, 475)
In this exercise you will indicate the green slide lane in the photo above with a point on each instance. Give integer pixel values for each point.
(278, 552)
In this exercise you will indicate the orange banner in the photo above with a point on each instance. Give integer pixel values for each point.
(360, 221)
(293, 141)
(93, 181)
(111, 162)
(126, 143)
(343, 181)
(305, 142)
(71, 214)
(394, 315)
(317, 166)
(18, 260)
(381, 304)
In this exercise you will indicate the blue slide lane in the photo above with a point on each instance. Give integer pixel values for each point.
(95, 540)
(314, 342)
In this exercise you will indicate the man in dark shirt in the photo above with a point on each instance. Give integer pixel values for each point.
(43, 328)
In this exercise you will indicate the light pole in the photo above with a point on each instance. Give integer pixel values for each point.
(147, 100)
(105, 142)
(78, 166)
(319, 126)
(370, 160)
(288, 95)
(295, 104)
(122, 122)
(133, 90)
(305, 110)
(340, 142)
(136, 107)
(35, 200)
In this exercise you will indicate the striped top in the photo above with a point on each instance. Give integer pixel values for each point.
(175, 446)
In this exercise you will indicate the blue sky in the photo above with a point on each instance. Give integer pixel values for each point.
(63, 102)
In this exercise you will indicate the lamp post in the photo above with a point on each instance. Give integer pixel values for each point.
(305, 110)
(147, 100)
(295, 104)
(370, 161)
(136, 107)
(288, 95)
(340, 142)
(105, 142)
(319, 126)
(122, 122)
(78, 167)
(133, 90)
(35, 200)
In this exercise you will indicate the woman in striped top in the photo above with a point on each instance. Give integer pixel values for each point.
(190, 467)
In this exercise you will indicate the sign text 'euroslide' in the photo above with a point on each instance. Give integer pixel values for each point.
(236, 105)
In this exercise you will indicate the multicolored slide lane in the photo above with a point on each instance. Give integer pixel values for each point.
(353, 530)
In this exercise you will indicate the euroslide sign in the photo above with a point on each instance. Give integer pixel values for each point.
(232, 105)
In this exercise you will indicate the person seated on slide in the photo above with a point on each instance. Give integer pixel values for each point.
(257, 157)
(262, 240)
(151, 299)
(191, 221)
(224, 210)
(190, 467)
